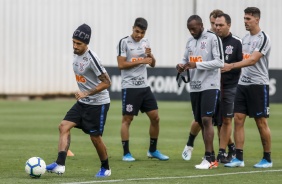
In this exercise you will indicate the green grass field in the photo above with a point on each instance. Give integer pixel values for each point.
(30, 129)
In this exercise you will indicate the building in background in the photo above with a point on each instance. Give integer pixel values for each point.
(36, 53)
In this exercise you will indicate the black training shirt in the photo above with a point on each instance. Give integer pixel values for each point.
(232, 48)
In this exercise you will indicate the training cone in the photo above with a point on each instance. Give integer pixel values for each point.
(70, 154)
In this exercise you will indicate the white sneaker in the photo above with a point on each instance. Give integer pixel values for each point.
(203, 165)
(103, 173)
(56, 168)
(187, 152)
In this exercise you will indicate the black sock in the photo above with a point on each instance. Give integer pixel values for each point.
(153, 144)
(239, 154)
(221, 152)
(191, 140)
(105, 164)
(231, 147)
(125, 145)
(266, 156)
(208, 156)
(61, 160)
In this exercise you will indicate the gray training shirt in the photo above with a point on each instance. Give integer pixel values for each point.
(258, 73)
(207, 52)
(135, 77)
(87, 68)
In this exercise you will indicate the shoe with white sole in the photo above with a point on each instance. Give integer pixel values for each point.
(235, 163)
(263, 164)
(56, 168)
(187, 152)
(103, 173)
(128, 158)
(157, 154)
(204, 165)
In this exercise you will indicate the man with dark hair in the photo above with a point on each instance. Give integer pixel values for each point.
(232, 48)
(89, 113)
(133, 56)
(141, 23)
(195, 127)
(213, 16)
(203, 57)
(252, 95)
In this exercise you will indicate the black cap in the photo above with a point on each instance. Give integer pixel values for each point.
(82, 33)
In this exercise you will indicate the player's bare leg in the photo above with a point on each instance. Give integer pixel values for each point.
(102, 153)
(154, 123)
(208, 135)
(124, 132)
(225, 139)
(265, 136)
(154, 134)
(58, 167)
(194, 131)
(239, 134)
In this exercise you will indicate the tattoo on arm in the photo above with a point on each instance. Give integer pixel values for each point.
(105, 78)
(91, 91)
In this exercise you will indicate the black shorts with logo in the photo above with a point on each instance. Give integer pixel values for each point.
(204, 103)
(252, 100)
(90, 118)
(135, 99)
(226, 105)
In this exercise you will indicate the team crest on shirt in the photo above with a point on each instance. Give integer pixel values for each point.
(129, 108)
(203, 45)
(83, 64)
(229, 49)
(81, 67)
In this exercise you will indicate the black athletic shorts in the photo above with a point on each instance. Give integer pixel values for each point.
(226, 105)
(204, 103)
(252, 100)
(135, 99)
(90, 118)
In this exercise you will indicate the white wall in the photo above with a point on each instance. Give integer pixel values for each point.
(36, 45)
(270, 20)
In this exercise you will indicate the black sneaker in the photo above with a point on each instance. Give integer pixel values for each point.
(222, 159)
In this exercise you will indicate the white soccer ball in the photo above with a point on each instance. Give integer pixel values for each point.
(35, 167)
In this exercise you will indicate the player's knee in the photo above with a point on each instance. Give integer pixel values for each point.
(63, 127)
(207, 121)
(262, 125)
(96, 139)
(155, 120)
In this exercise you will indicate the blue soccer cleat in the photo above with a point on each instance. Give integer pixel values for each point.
(235, 163)
(157, 154)
(103, 173)
(55, 168)
(263, 164)
(128, 158)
